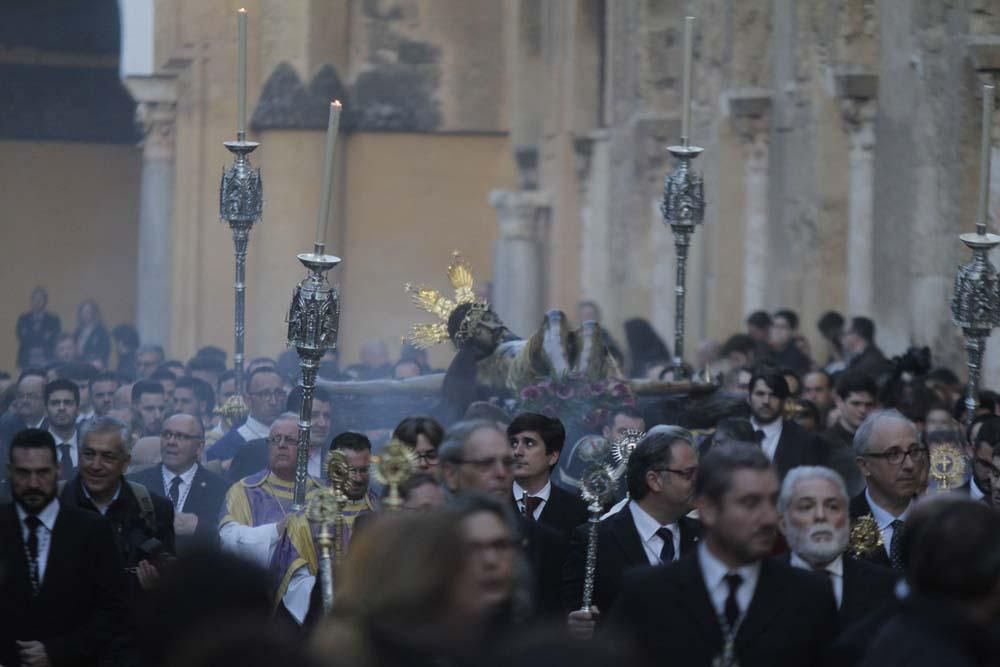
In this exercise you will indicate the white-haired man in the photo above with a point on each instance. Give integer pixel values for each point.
(814, 519)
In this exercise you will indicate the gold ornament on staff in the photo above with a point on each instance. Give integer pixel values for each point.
(338, 471)
(948, 466)
(865, 536)
(392, 467)
(322, 510)
(597, 487)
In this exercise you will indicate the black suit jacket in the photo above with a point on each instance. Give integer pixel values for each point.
(251, 458)
(858, 508)
(867, 588)
(208, 492)
(545, 550)
(563, 511)
(796, 447)
(667, 612)
(619, 549)
(80, 605)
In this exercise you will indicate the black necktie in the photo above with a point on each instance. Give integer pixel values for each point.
(667, 552)
(175, 491)
(760, 435)
(65, 461)
(895, 545)
(732, 607)
(33, 522)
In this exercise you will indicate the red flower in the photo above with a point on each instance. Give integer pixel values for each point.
(530, 393)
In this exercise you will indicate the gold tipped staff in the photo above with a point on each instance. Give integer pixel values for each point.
(392, 467)
(326, 506)
(597, 485)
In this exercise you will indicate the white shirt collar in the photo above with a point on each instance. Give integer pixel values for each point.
(68, 441)
(40, 422)
(834, 567)
(882, 517)
(258, 427)
(544, 493)
(47, 516)
(770, 430)
(974, 491)
(645, 524)
(714, 570)
(186, 477)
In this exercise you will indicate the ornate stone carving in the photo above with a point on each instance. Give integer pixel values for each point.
(157, 123)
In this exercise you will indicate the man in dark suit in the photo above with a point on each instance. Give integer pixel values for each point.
(865, 356)
(265, 396)
(536, 442)
(62, 407)
(143, 522)
(195, 493)
(729, 601)
(651, 530)
(28, 408)
(855, 397)
(476, 457)
(60, 576)
(784, 442)
(893, 462)
(36, 329)
(980, 453)
(814, 520)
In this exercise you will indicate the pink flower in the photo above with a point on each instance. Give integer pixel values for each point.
(620, 389)
(530, 393)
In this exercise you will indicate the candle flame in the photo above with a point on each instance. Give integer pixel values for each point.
(335, 103)
(243, 10)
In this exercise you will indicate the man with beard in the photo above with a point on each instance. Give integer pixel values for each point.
(102, 393)
(61, 589)
(783, 441)
(893, 462)
(62, 405)
(729, 604)
(149, 400)
(652, 530)
(814, 521)
(980, 453)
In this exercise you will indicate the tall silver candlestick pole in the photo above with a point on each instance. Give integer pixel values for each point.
(975, 306)
(683, 204)
(241, 201)
(314, 315)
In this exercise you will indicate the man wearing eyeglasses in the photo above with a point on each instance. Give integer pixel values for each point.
(143, 522)
(265, 395)
(981, 456)
(893, 462)
(195, 493)
(652, 529)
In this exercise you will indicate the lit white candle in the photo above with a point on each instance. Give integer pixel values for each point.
(331, 142)
(241, 24)
(686, 102)
(982, 216)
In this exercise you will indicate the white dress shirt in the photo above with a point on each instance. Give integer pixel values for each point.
(253, 430)
(772, 433)
(315, 463)
(714, 572)
(836, 572)
(652, 543)
(73, 453)
(254, 543)
(544, 494)
(884, 520)
(187, 478)
(44, 532)
(974, 491)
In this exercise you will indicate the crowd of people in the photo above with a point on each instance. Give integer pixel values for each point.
(832, 509)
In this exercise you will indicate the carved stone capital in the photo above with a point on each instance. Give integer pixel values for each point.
(155, 113)
(750, 111)
(984, 50)
(519, 212)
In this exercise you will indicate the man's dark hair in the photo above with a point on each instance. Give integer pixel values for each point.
(741, 343)
(830, 324)
(773, 378)
(715, 470)
(212, 352)
(944, 436)
(989, 432)
(258, 371)
(851, 382)
(208, 364)
(105, 376)
(759, 319)
(78, 371)
(126, 335)
(735, 429)
(651, 453)
(629, 411)
(551, 430)
(225, 377)
(203, 393)
(863, 327)
(146, 387)
(32, 372)
(163, 373)
(154, 348)
(945, 531)
(32, 438)
(484, 410)
(789, 316)
(411, 427)
(414, 482)
(294, 401)
(356, 442)
(62, 384)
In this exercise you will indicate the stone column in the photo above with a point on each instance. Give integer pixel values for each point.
(859, 108)
(750, 111)
(518, 268)
(156, 113)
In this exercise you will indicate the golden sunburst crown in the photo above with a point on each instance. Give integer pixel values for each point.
(430, 300)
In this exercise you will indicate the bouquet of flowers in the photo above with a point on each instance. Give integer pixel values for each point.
(574, 399)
